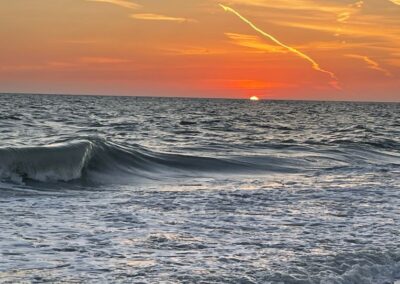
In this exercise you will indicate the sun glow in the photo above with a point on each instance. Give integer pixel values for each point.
(254, 98)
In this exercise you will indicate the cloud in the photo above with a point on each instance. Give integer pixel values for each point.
(77, 63)
(314, 64)
(122, 3)
(254, 42)
(252, 84)
(358, 4)
(103, 60)
(344, 16)
(300, 5)
(51, 65)
(193, 50)
(362, 18)
(371, 63)
(248, 84)
(397, 2)
(79, 41)
(366, 28)
(158, 17)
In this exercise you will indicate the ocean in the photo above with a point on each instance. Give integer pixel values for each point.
(167, 190)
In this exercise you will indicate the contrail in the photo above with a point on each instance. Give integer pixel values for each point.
(314, 64)
(371, 64)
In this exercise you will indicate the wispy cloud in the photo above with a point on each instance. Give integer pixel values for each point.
(51, 65)
(253, 84)
(80, 41)
(344, 16)
(249, 84)
(397, 2)
(254, 42)
(193, 50)
(372, 64)
(103, 60)
(77, 63)
(158, 17)
(122, 3)
(314, 64)
(300, 5)
(358, 29)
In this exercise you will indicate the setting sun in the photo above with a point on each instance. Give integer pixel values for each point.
(254, 98)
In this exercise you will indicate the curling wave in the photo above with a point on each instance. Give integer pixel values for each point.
(97, 160)
(62, 162)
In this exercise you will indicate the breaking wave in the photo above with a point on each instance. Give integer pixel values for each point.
(97, 160)
(61, 162)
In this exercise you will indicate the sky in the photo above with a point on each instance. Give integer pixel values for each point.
(273, 49)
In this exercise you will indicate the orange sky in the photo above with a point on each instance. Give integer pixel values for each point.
(196, 48)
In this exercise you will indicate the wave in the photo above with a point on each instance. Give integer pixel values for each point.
(100, 161)
(59, 162)
(97, 160)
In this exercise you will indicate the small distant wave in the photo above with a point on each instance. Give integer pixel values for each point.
(98, 160)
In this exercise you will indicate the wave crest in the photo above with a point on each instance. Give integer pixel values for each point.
(97, 160)
(59, 162)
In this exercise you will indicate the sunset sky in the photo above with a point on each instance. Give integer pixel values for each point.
(287, 49)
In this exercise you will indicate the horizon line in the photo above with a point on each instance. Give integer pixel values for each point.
(184, 97)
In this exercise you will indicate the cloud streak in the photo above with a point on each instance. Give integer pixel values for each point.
(103, 60)
(301, 5)
(314, 64)
(397, 2)
(344, 16)
(122, 3)
(371, 63)
(158, 17)
(255, 43)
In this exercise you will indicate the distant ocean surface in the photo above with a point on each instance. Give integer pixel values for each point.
(165, 190)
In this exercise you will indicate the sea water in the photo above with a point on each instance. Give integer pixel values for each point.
(167, 190)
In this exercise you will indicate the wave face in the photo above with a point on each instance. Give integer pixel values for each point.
(97, 160)
(76, 160)
(64, 162)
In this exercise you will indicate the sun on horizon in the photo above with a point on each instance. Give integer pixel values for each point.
(254, 98)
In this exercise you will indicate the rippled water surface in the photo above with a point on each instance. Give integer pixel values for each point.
(151, 190)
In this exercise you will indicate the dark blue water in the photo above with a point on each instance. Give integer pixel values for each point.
(150, 190)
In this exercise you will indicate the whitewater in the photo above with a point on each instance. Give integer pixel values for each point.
(167, 190)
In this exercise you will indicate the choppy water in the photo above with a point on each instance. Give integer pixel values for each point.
(150, 190)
